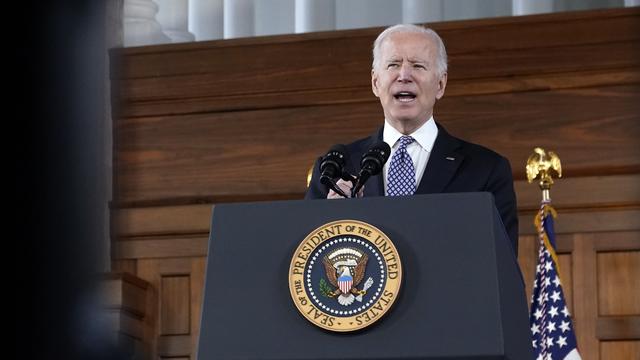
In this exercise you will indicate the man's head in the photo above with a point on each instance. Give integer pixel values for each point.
(409, 74)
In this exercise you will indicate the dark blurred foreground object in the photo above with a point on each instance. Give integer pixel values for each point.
(60, 177)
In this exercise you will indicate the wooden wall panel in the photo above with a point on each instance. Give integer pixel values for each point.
(193, 120)
(619, 273)
(619, 349)
(592, 251)
(190, 158)
(594, 130)
(362, 93)
(585, 311)
(618, 328)
(603, 191)
(174, 325)
(164, 247)
(174, 302)
(337, 74)
(527, 256)
(163, 220)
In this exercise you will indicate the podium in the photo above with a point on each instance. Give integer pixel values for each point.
(462, 293)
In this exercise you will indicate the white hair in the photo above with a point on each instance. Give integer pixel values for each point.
(441, 61)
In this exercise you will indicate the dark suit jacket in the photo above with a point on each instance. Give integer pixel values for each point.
(473, 168)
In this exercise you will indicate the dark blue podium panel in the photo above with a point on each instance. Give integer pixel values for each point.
(462, 295)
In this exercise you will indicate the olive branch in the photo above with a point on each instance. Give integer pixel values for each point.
(325, 289)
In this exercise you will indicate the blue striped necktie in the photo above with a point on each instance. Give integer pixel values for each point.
(401, 179)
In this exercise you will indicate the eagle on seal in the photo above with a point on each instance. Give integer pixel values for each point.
(345, 269)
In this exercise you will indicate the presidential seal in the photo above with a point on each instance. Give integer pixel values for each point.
(345, 275)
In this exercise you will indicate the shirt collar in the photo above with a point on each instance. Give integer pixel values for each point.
(425, 135)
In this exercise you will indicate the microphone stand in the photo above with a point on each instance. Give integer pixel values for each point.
(328, 181)
(333, 186)
(365, 174)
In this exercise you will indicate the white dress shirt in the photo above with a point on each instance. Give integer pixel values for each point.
(419, 150)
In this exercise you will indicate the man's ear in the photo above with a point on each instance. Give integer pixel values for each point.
(374, 83)
(442, 84)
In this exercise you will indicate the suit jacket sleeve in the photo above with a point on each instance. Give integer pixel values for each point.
(500, 184)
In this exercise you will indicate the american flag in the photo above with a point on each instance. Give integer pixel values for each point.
(551, 327)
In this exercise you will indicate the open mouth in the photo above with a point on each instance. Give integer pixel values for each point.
(404, 96)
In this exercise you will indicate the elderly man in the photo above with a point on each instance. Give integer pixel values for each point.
(409, 75)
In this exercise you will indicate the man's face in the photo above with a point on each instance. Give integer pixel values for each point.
(407, 80)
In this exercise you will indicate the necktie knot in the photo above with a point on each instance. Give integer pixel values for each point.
(405, 141)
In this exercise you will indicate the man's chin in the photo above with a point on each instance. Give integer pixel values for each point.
(407, 118)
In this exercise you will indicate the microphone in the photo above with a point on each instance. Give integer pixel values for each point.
(332, 166)
(371, 164)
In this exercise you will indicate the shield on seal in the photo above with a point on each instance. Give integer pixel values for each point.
(345, 281)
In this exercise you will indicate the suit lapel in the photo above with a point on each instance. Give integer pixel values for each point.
(442, 165)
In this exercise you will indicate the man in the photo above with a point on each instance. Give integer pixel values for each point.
(409, 75)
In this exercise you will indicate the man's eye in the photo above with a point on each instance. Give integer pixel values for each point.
(419, 66)
(392, 66)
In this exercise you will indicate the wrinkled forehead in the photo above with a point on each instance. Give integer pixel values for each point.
(408, 45)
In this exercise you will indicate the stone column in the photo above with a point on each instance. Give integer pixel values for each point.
(422, 11)
(239, 18)
(174, 19)
(139, 24)
(315, 15)
(206, 19)
(527, 7)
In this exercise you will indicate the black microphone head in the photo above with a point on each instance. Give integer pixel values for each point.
(375, 158)
(333, 162)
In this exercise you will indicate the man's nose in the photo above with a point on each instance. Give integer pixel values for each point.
(405, 74)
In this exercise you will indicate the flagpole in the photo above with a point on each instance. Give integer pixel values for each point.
(551, 326)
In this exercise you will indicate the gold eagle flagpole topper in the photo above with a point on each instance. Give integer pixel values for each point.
(543, 165)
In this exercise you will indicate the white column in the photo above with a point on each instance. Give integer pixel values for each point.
(526, 7)
(476, 9)
(238, 18)
(422, 11)
(354, 14)
(139, 24)
(206, 19)
(628, 3)
(315, 15)
(174, 19)
(274, 17)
